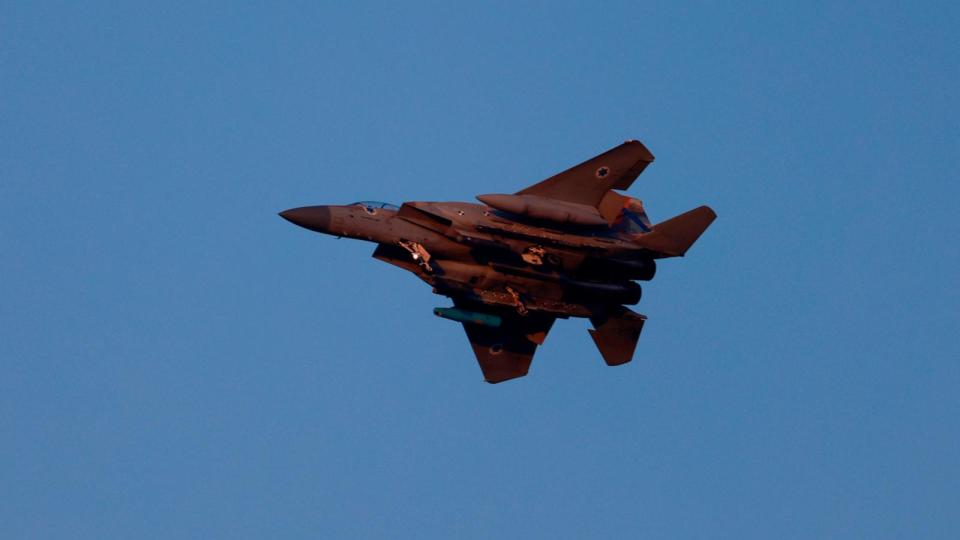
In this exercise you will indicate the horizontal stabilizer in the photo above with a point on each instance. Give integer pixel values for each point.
(673, 237)
(616, 335)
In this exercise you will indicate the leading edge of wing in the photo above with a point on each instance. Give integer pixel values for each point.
(589, 181)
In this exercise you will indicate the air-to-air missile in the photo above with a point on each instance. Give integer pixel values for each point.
(468, 317)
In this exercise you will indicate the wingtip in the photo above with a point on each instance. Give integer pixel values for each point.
(645, 153)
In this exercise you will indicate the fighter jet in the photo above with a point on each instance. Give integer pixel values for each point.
(569, 246)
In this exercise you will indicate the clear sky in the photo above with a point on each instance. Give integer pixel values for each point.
(176, 361)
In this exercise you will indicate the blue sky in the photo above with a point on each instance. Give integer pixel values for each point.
(177, 361)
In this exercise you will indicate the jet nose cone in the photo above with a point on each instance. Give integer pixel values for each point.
(315, 218)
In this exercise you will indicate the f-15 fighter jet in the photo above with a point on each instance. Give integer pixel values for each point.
(569, 246)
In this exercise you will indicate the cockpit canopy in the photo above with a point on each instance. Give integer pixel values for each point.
(375, 205)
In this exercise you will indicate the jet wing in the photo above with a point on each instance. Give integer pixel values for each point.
(505, 352)
(588, 182)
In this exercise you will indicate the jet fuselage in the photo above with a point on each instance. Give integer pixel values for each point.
(569, 246)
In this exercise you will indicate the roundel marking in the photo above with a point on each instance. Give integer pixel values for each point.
(602, 172)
